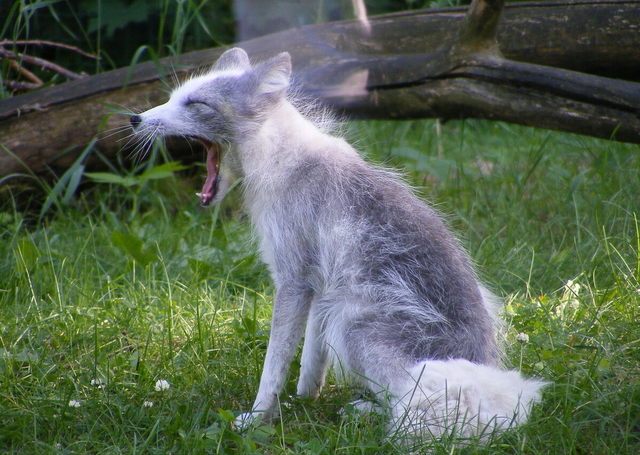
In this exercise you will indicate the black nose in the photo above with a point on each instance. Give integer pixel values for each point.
(135, 120)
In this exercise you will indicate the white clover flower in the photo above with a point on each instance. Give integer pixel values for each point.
(162, 385)
(522, 338)
(96, 382)
(573, 286)
(74, 404)
(147, 404)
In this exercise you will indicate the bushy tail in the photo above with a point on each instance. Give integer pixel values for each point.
(462, 398)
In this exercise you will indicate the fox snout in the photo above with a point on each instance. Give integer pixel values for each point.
(135, 120)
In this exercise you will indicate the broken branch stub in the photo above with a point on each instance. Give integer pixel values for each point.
(478, 33)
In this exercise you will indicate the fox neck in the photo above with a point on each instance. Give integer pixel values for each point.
(271, 156)
(284, 138)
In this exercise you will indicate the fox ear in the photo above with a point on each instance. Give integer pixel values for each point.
(235, 58)
(273, 75)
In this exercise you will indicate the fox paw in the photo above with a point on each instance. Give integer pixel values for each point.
(247, 420)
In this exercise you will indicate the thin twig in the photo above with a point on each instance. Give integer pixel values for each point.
(48, 43)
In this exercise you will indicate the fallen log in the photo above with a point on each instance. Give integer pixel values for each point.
(431, 63)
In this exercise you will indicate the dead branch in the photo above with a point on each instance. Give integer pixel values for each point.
(546, 70)
(39, 62)
(469, 77)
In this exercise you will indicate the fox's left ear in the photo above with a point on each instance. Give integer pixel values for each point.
(235, 58)
(273, 76)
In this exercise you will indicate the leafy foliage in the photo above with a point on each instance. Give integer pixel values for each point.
(112, 30)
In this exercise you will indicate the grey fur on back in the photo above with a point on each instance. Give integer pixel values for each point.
(367, 236)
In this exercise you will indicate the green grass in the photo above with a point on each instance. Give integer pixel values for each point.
(127, 286)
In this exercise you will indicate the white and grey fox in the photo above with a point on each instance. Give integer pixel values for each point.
(363, 268)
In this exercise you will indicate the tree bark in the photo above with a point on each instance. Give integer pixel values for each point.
(432, 63)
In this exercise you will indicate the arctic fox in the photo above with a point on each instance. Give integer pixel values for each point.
(367, 271)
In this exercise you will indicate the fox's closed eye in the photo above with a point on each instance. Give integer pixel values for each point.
(197, 103)
(201, 108)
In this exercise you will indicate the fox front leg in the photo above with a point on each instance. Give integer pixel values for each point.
(290, 312)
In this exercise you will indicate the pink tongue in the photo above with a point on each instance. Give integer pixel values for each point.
(210, 188)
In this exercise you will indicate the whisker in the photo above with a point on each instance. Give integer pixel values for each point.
(132, 140)
(105, 134)
(141, 147)
(146, 138)
(124, 110)
(174, 76)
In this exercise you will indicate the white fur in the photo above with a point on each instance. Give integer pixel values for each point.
(462, 398)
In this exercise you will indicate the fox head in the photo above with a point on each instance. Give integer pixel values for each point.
(219, 109)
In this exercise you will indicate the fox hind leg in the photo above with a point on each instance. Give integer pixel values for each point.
(315, 360)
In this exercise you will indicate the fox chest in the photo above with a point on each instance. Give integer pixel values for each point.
(287, 244)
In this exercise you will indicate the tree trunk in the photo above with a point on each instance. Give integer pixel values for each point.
(432, 63)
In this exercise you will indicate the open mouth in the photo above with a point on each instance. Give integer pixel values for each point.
(210, 187)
